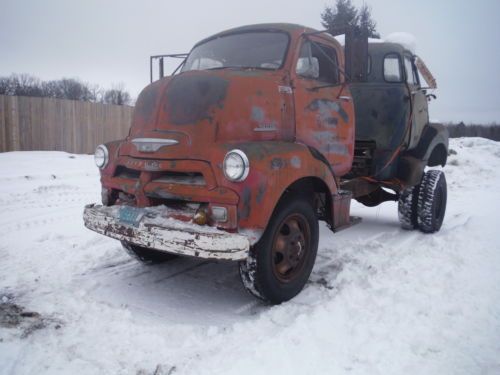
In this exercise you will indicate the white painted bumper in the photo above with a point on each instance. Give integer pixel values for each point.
(154, 230)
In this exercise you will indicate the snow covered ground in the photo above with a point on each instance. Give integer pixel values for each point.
(380, 301)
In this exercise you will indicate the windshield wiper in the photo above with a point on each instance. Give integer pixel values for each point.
(217, 68)
(240, 67)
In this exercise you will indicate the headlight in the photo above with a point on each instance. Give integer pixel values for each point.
(101, 156)
(236, 165)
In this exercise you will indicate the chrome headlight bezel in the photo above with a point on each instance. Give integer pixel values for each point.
(101, 156)
(243, 159)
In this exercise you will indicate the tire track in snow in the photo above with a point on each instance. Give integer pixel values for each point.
(10, 229)
(61, 200)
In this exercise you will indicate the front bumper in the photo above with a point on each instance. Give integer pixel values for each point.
(151, 227)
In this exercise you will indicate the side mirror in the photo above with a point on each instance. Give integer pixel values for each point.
(308, 67)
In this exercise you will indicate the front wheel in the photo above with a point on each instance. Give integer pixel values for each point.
(279, 265)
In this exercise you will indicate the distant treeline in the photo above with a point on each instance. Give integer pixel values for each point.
(65, 88)
(491, 131)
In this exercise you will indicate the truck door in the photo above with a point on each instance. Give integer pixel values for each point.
(420, 114)
(324, 115)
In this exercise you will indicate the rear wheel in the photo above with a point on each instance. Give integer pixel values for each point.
(147, 255)
(279, 265)
(407, 208)
(431, 204)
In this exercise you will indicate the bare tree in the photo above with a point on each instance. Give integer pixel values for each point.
(73, 89)
(65, 88)
(117, 95)
(20, 84)
(5, 86)
(96, 93)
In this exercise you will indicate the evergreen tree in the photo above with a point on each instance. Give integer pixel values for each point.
(366, 23)
(344, 13)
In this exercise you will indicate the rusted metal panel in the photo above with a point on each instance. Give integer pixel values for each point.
(274, 167)
(257, 112)
(341, 209)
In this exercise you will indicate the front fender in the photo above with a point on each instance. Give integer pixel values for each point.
(113, 150)
(274, 166)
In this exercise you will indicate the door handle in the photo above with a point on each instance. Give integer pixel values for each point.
(345, 98)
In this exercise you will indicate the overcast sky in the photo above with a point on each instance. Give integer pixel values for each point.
(107, 42)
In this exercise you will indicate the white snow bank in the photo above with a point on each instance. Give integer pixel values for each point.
(381, 300)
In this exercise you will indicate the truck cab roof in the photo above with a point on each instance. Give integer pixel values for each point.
(377, 53)
(279, 27)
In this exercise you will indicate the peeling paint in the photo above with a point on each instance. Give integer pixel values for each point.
(246, 196)
(190, 98)
(277, 163)
(260, 193)
(258, 114)
(295, 162)
(325, 106)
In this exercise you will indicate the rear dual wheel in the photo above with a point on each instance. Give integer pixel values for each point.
(432, 198)
(280, 264)
(423, 206)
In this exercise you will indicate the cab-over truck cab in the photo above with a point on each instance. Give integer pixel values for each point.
(237, 156)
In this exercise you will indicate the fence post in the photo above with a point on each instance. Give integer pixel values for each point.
(3, 126)
(12, 124)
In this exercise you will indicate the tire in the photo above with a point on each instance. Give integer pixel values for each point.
(147, 255)
(407, 208)
(280, 264)
(431, 205)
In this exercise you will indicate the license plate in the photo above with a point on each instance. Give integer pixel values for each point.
(131, 215)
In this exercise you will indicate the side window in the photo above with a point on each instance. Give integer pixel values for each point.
(319, 62)
(410, 73)
(392, 68)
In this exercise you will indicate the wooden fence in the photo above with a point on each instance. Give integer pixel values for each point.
(29, 123)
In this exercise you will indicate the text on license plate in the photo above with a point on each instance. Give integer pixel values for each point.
(131, 215)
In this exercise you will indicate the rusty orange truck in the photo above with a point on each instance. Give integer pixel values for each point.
(261, 132)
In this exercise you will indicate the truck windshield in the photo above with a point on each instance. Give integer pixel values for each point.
(258, 50)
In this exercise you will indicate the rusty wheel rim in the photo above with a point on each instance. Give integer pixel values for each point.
(290, 247)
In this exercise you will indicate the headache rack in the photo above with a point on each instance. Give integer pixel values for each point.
(161, 63)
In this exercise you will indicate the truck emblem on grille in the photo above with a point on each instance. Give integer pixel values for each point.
(152, 165)
(152, 144)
